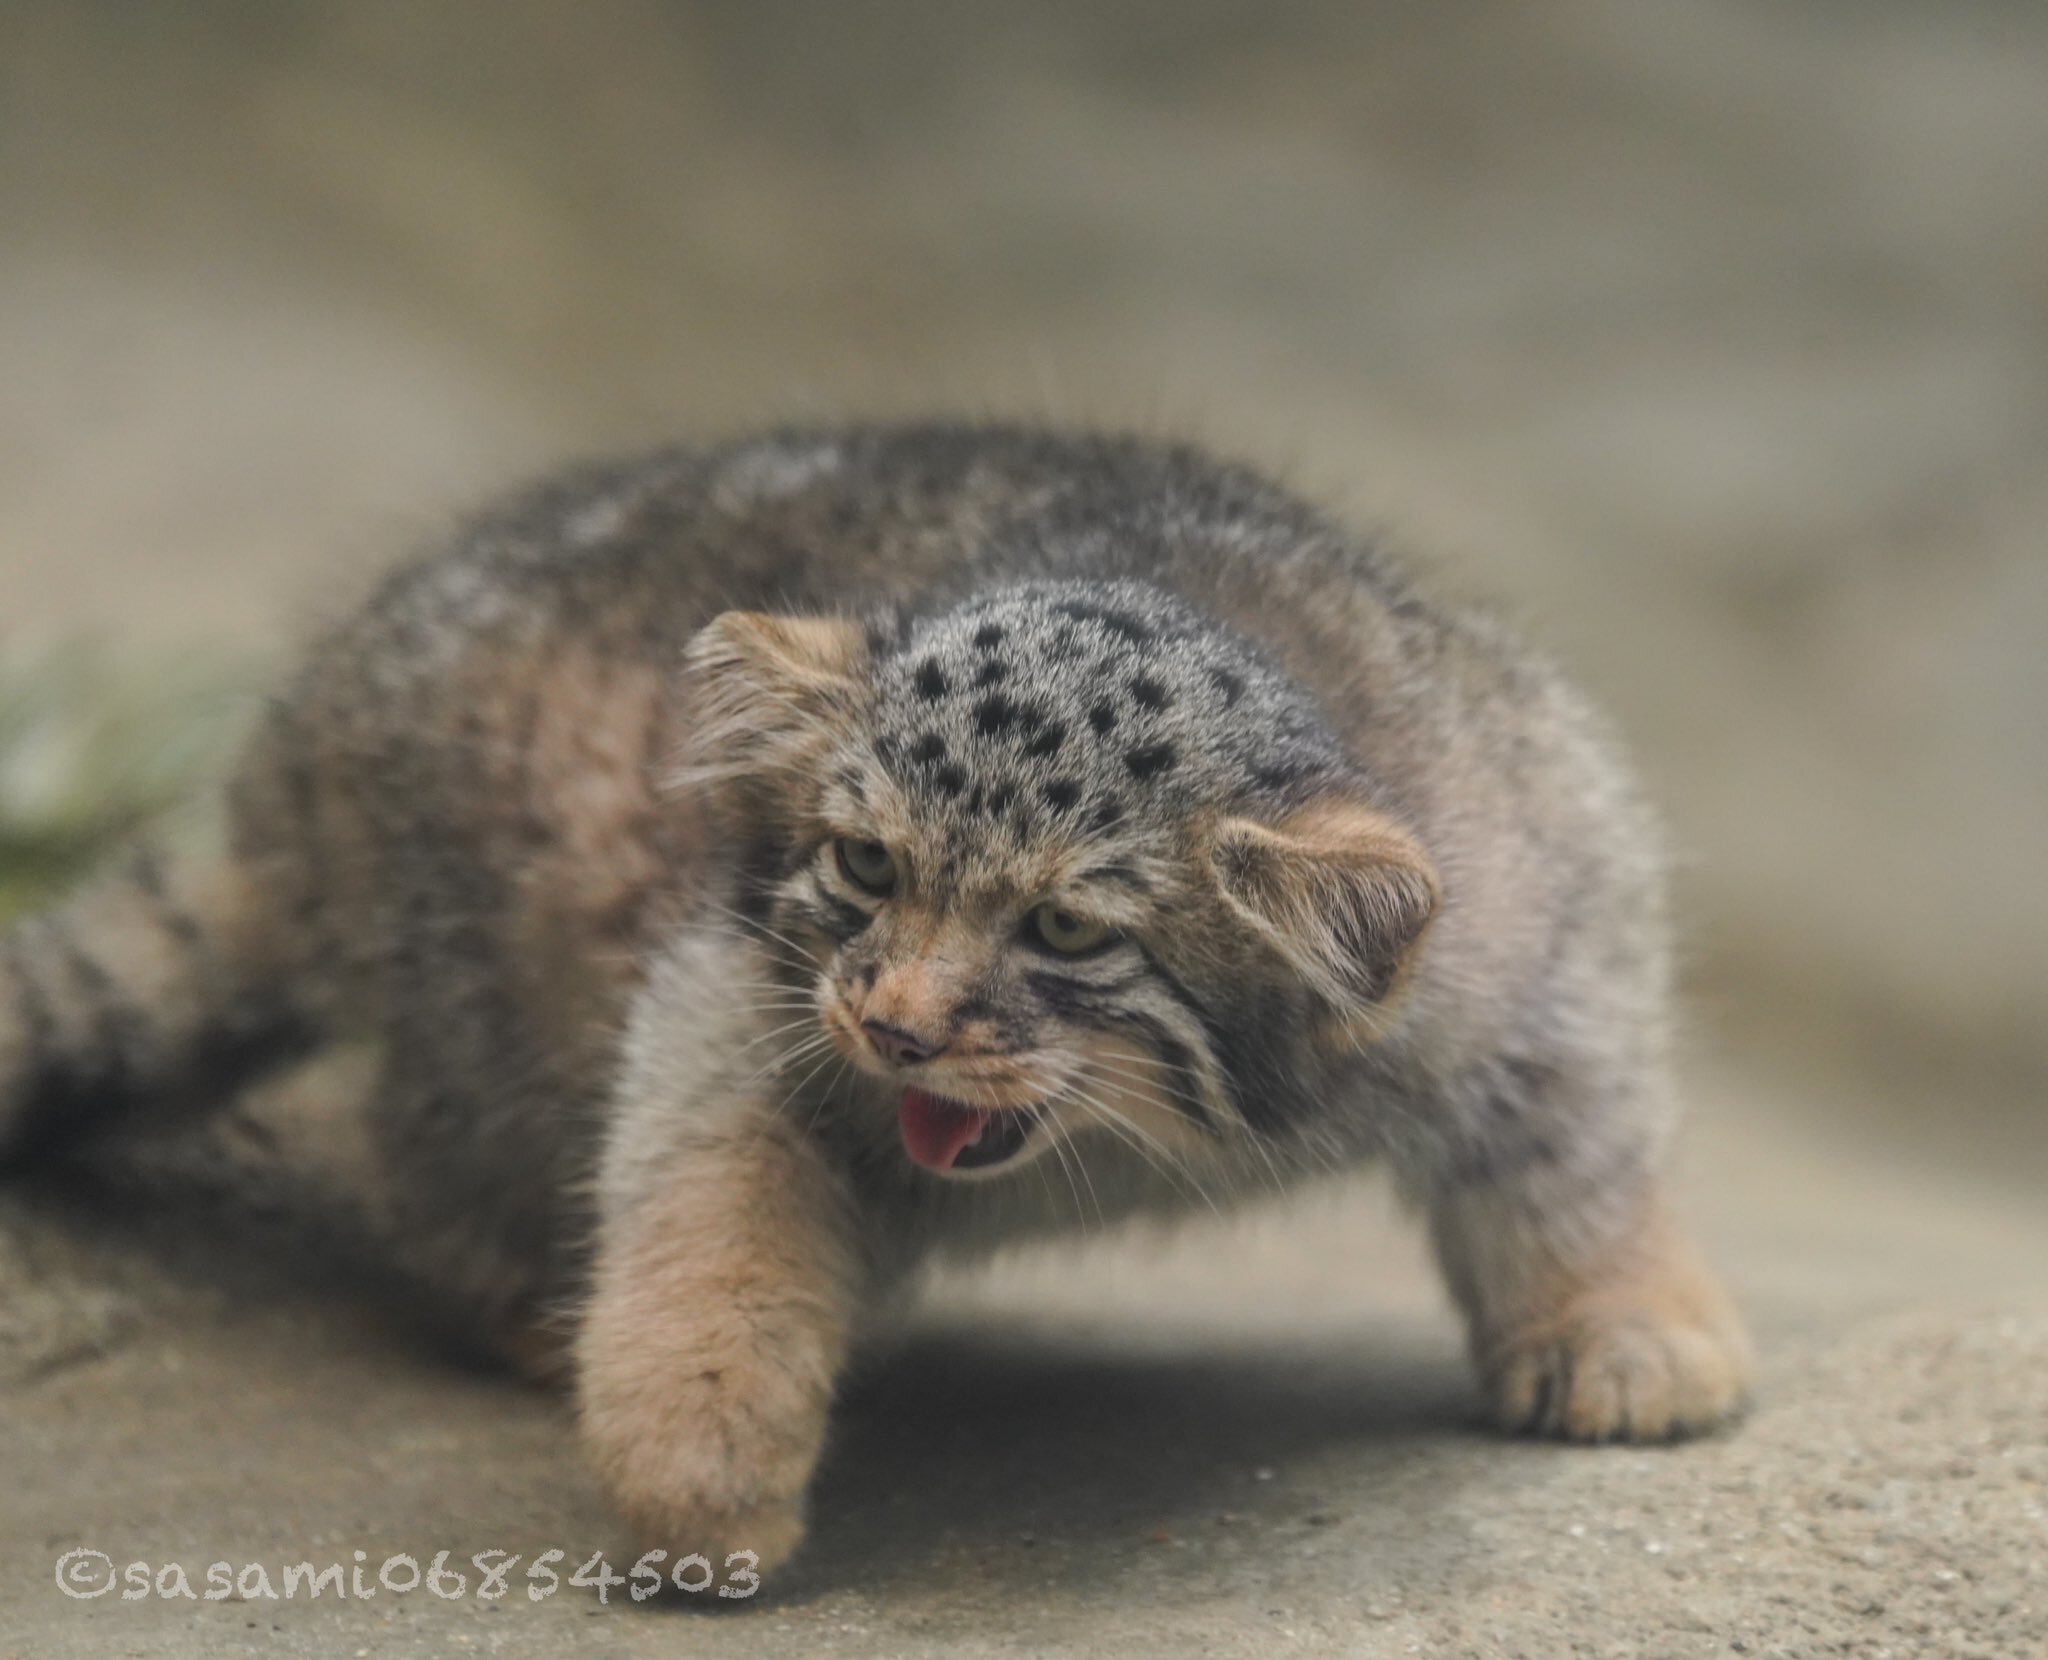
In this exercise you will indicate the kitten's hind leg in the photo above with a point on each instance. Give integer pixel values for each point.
(1589, 1315)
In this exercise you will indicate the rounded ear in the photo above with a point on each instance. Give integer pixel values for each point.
(761, 690)
(1337, 888)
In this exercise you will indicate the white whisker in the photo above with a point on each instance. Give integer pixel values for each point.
(1148, 1147)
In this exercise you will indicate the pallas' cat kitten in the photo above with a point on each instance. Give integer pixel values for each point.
(768, 868)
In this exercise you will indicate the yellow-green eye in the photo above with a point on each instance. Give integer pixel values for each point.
(867, 865)
(1062, 931)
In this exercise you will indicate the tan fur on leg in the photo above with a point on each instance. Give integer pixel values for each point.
(715, 1329)
(1629, 1340)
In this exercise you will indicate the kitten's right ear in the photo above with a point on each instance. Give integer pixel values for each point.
(760, 689)
(1339, 890)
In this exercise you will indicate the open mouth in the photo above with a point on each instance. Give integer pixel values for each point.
(950, 1135)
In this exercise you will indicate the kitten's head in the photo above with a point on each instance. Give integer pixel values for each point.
(1067, 859)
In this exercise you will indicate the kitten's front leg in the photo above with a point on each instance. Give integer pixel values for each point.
(721, 1302)
(1590, 1316)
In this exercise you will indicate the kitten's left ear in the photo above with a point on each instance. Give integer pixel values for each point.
(759, 688)
(1337, 888)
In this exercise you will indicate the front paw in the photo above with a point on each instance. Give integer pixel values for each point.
(1648, 1364)
(733, 1544)
(711, 1342)
(698, 1470)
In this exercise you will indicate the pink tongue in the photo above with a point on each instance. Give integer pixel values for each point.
(935, 1130)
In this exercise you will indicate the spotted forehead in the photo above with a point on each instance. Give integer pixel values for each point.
(1084, 710)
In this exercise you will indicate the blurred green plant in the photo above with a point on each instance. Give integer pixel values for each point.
(92, 748)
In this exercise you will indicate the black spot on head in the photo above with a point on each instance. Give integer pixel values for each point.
(1107, 815)
(885, 750)
(1150, 693)
(999, 797)
(1149, 759)
(1277, 775)
(930, 747)
(992, 673)
(1117, 622)
(931, 681)
(988, 636)
(1061, 794)
(1230, 685)
(1103, 718)
(993, 714)
(1048, 740)
(949, 780)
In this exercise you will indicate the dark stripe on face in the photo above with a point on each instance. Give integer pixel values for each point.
(1182, 1089)
(1180, 993)
(811, 900)
(765, 867)
(839, 918)
(1076, 1001)
(1266, 1038)
(1055, 983)
(1253, 1042)
(1071, 999)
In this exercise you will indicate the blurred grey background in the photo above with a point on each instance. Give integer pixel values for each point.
(1713, 337)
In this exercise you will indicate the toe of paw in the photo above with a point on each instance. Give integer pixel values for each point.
(1630, 1383)
(760, 1532)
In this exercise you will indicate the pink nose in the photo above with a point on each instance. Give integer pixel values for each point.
(895, 1045)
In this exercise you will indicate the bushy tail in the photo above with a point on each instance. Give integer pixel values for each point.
(151, 993)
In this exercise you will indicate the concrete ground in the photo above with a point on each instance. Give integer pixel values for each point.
(1714, 337)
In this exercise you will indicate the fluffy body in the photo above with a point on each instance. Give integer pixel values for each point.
(1375, 884)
